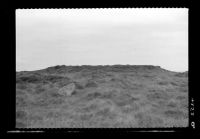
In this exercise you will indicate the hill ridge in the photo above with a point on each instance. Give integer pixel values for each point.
(60, 67)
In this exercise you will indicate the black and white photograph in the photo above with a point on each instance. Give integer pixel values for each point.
(102, 68)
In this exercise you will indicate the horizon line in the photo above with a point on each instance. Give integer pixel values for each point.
(98, 65)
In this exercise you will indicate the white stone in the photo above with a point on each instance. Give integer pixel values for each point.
(67, 90)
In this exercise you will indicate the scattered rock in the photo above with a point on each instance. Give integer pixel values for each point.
(67, 90)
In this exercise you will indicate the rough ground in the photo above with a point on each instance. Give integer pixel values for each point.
(105, 97)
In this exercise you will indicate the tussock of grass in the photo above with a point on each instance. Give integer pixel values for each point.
(183, 89)
(181, 97)
(184, 74)
(156, 90)
(172, 104)
(53, 114)
(35, 118)
(54, 78)
(86, 117)
(91, 108)
(105, 113)
(157, 96)
(177, 123)
(174, 84)
(176, 114)
(163, 83)
(20, 124)
(145, 120)
(91, 84)
(22, 86)
(159, 104)
(42, 102)
(20, 114)
(63, 82)
(134, 107)
(39, 89)
(93, 95)
(109, 94)
(29, 79)
(21, 101)
(121, 101)
(20, 92)
(79, 86)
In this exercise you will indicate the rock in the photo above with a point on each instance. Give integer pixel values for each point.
(67, 90)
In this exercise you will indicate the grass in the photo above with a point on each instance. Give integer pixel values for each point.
(120, 101)
(22, 86)
(86, 117)
(20, 114)
(172, 104)
(21, 118)
(79, 86)
(20, 92)
(39, 89)
(176, 114)
(105, 114)
(147, 121)
(163, 83)
(91, 84)
(91, 108)
(20, 124)
(130, 108)
(184, 74)
(181, 97)
(21, 101)
(158, 96)
(105, 96)
(93, 95)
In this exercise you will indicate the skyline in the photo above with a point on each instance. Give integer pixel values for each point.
(46, 38)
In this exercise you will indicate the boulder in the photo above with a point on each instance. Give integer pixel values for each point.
(67, 90)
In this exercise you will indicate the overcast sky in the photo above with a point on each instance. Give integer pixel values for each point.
(102, 37)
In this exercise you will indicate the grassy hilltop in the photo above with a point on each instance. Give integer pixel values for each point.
(105, 96)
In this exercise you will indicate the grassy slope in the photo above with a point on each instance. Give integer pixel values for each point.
(105, 96)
